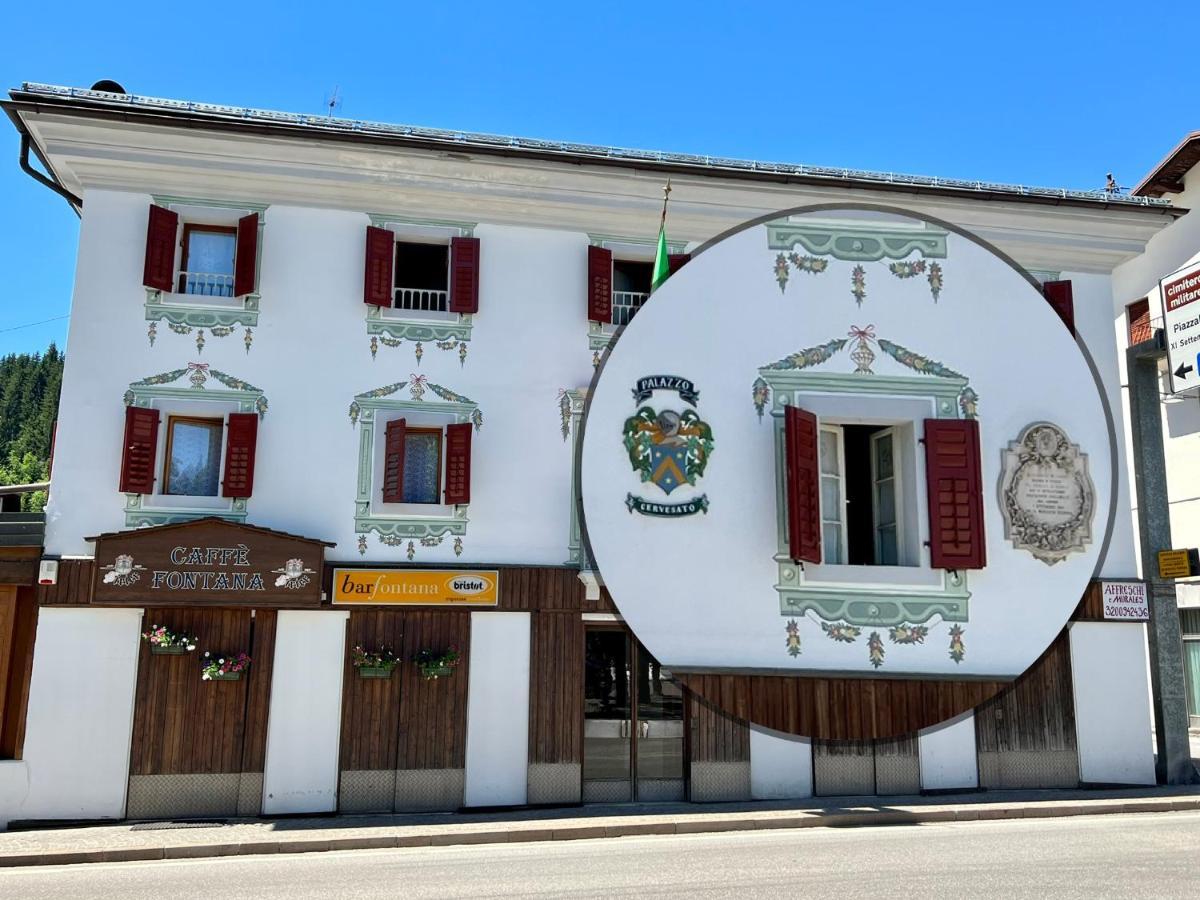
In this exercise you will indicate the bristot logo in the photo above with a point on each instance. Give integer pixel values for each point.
(667, 448)
(651, 383)
(469, 585)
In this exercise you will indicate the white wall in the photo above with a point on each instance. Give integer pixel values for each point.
(80, 720)
(948, 757)
(781, 765)
(1112, 709)
(498, 710)
(304, 728)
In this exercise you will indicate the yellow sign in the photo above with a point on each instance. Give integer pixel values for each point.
(1174, 564)
(417, 587)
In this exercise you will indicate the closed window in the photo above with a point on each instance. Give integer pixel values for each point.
(422, 277)
(207, 262)
(193, 464)
(423, 465)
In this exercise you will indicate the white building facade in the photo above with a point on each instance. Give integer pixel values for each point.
(382, 339)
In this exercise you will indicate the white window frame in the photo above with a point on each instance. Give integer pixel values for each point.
(895, 478)
(840, 477)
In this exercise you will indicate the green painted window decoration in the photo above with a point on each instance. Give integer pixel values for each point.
(858, 243)
(172, 390)
(426, 401)
(163, 640)
(420, 316)
(437, 663)
(205, 306)
(845, 611)
(223, 666)
(377, 663)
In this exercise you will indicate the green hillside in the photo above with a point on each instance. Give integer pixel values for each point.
(29, 387)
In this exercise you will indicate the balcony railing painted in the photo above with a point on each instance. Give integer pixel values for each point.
(206, 284)
(625, 304)
(421, 300)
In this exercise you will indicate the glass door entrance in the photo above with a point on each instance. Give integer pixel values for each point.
(633, 725)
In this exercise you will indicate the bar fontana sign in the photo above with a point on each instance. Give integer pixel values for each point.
(207, 562)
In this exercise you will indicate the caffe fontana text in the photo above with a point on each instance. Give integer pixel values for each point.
(213, 578)
(416, 586)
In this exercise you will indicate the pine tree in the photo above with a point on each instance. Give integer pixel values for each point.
(29, 387)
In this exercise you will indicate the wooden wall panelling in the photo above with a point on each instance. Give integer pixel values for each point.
(258, 697)
(183, 725)
(840, 709)
(556, 687)
(371, 706)
(715, 736)
(8, 627)
(1037, 712)
(433, 713)
(524, 588)
(1091, 605)
(74, 585)
(19, 666)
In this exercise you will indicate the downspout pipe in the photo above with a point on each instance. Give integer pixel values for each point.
(76, 202)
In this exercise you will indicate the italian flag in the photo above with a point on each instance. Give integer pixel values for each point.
(661, 265)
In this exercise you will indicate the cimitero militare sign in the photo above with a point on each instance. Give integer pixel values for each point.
(1181, 322)
(207, 562)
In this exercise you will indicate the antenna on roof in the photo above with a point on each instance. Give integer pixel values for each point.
(1111, 186)
(333, 101)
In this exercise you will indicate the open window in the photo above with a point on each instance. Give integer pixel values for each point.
(619, 285)
(202, 455)
(421, 274)
(426, 465)
(862, 507)
(202, 254)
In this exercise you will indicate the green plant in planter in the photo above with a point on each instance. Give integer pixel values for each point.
(224, 668)
(162, 640)
(373, 663)
(437, 663)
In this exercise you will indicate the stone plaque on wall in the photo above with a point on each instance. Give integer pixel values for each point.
(207, 562)
(1046, 494)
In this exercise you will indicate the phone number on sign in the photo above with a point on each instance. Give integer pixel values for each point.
(1126, 612)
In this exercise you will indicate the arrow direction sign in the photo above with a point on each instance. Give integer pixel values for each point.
(1180, 293)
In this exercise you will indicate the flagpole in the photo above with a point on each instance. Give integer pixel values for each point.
(661, 262)
(666, 194)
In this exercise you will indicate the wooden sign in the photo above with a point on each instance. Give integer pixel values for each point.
(416, 587)
(1177, 564)
(207, 562)
(1125, 601)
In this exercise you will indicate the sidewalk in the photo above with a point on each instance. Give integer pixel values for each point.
(185, 839)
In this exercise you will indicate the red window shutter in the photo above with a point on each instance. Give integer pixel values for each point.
(599, 284)
(464, 275)
(241, 440)
(1138, 314)
(161, 235)
(381, 257)
(955, 487)
(803, 471)
(245, 261)
(1059, 295)
(676, 261)
(393, 461)
(458, 463)
(141, 446)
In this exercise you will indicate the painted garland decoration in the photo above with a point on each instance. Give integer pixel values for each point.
(417, 386)
(903, 634)
(858, 284)
(875, 651)
(453, 344)
(843, 632)
(564, 413)
(197, 375)
(957, 648)
(908, 634)
(793, 638)
(813, 265)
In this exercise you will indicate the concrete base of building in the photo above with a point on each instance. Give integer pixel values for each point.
(194, 795)
(1016, 770)
(429, 790)
(553, 783)
(717, 781)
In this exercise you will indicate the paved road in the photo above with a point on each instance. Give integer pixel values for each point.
(1148, 855)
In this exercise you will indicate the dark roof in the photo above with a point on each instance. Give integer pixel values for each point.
(134, 108)
(258, 529)
(1167, 176)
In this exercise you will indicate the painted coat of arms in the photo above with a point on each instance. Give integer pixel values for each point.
(669, 449)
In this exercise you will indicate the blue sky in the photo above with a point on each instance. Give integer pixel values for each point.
(1046, 93)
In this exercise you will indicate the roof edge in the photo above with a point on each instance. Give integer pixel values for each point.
(1165, 178)
(34, 97)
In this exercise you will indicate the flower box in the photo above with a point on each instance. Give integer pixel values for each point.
(376, 671)
(228, 676)
(437, 671)
(168, 649)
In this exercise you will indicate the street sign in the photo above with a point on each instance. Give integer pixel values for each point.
(1180, 294)
(1178, 563)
